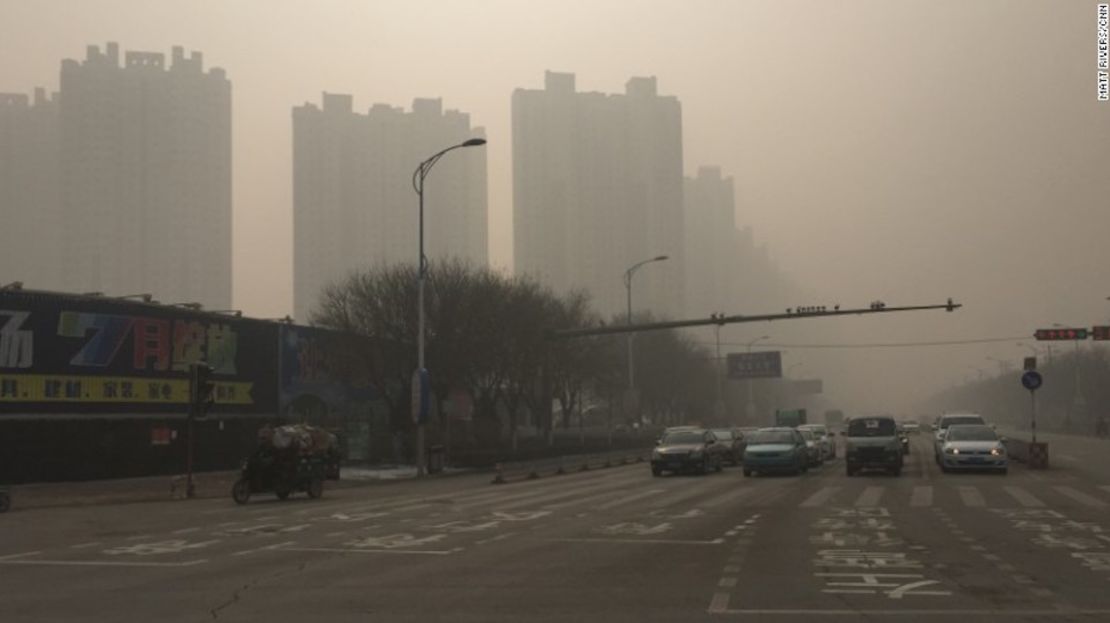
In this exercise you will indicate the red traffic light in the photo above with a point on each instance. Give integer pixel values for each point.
(1060, 334)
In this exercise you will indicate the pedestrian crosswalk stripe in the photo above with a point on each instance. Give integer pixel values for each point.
(922, 496)
(728, 498)
(971, 496)
(820, 497)
(630, 498)
(1082, 498)
(870, 496)
(1023, 497)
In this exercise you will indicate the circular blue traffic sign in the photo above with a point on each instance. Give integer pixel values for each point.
(1031, 380)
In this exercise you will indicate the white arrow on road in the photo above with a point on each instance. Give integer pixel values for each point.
(160, 547)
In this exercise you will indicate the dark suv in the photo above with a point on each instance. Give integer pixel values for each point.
(873, 443)
(688, 450)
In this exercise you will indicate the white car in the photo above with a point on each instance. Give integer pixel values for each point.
(972, 447)
(824, 439)
(944, 421)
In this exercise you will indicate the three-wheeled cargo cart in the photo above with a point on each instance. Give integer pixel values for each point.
(289, 459)
(281, 474)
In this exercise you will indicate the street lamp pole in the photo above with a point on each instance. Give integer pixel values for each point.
(420, 413)
(751, 394)
(628, 274)
(720, 403)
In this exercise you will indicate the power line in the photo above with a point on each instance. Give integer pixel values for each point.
(882, 345)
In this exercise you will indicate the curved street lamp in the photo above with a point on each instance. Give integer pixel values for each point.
(418, 177)
(628, 274)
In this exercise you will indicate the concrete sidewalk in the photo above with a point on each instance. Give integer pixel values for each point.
(162, 488)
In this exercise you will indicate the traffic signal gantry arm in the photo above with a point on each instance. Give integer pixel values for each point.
(791, 314)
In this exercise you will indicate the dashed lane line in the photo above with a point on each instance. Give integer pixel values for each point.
(719, 604)
(729, 582)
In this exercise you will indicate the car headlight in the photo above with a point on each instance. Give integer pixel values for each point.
(997, 452)
(952, 450)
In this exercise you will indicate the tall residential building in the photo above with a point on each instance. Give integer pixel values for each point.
(718, 267)
(353, 201)
(30, 236)
(146, 176)
(726, 271)
(597, 187)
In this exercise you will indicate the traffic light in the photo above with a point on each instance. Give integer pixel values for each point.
(1060, 334)
(202, 390)
(1100, 333)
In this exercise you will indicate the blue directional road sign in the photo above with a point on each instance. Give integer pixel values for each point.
(1031, 379)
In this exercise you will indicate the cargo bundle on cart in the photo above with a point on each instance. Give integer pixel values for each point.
(288, 459)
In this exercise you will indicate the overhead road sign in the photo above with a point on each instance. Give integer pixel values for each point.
(758, 365)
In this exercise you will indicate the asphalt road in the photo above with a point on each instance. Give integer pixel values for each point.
(607, 545)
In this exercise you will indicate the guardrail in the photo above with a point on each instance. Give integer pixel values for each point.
(530, 470)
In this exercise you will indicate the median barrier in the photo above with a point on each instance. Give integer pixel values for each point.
(1035, 455)
(506, 472)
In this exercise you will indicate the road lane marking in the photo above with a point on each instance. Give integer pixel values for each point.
(340, 550)
(1023, 497)
(820, 497)
(994, 613)
(264, 549)
(1082, 498)
(732, 496)
(870, 496)
(631, 498)
(727, 583)
(499, 537)
(102, 563)
(84, 545)
(971, 496)
(186, 530)
(12, 556)
(719, 604)
(642, 541)
(732, 569)
(922, 496)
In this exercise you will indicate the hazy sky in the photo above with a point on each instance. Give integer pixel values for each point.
(908, 151)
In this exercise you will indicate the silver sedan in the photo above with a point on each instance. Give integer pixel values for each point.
(972, 447)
